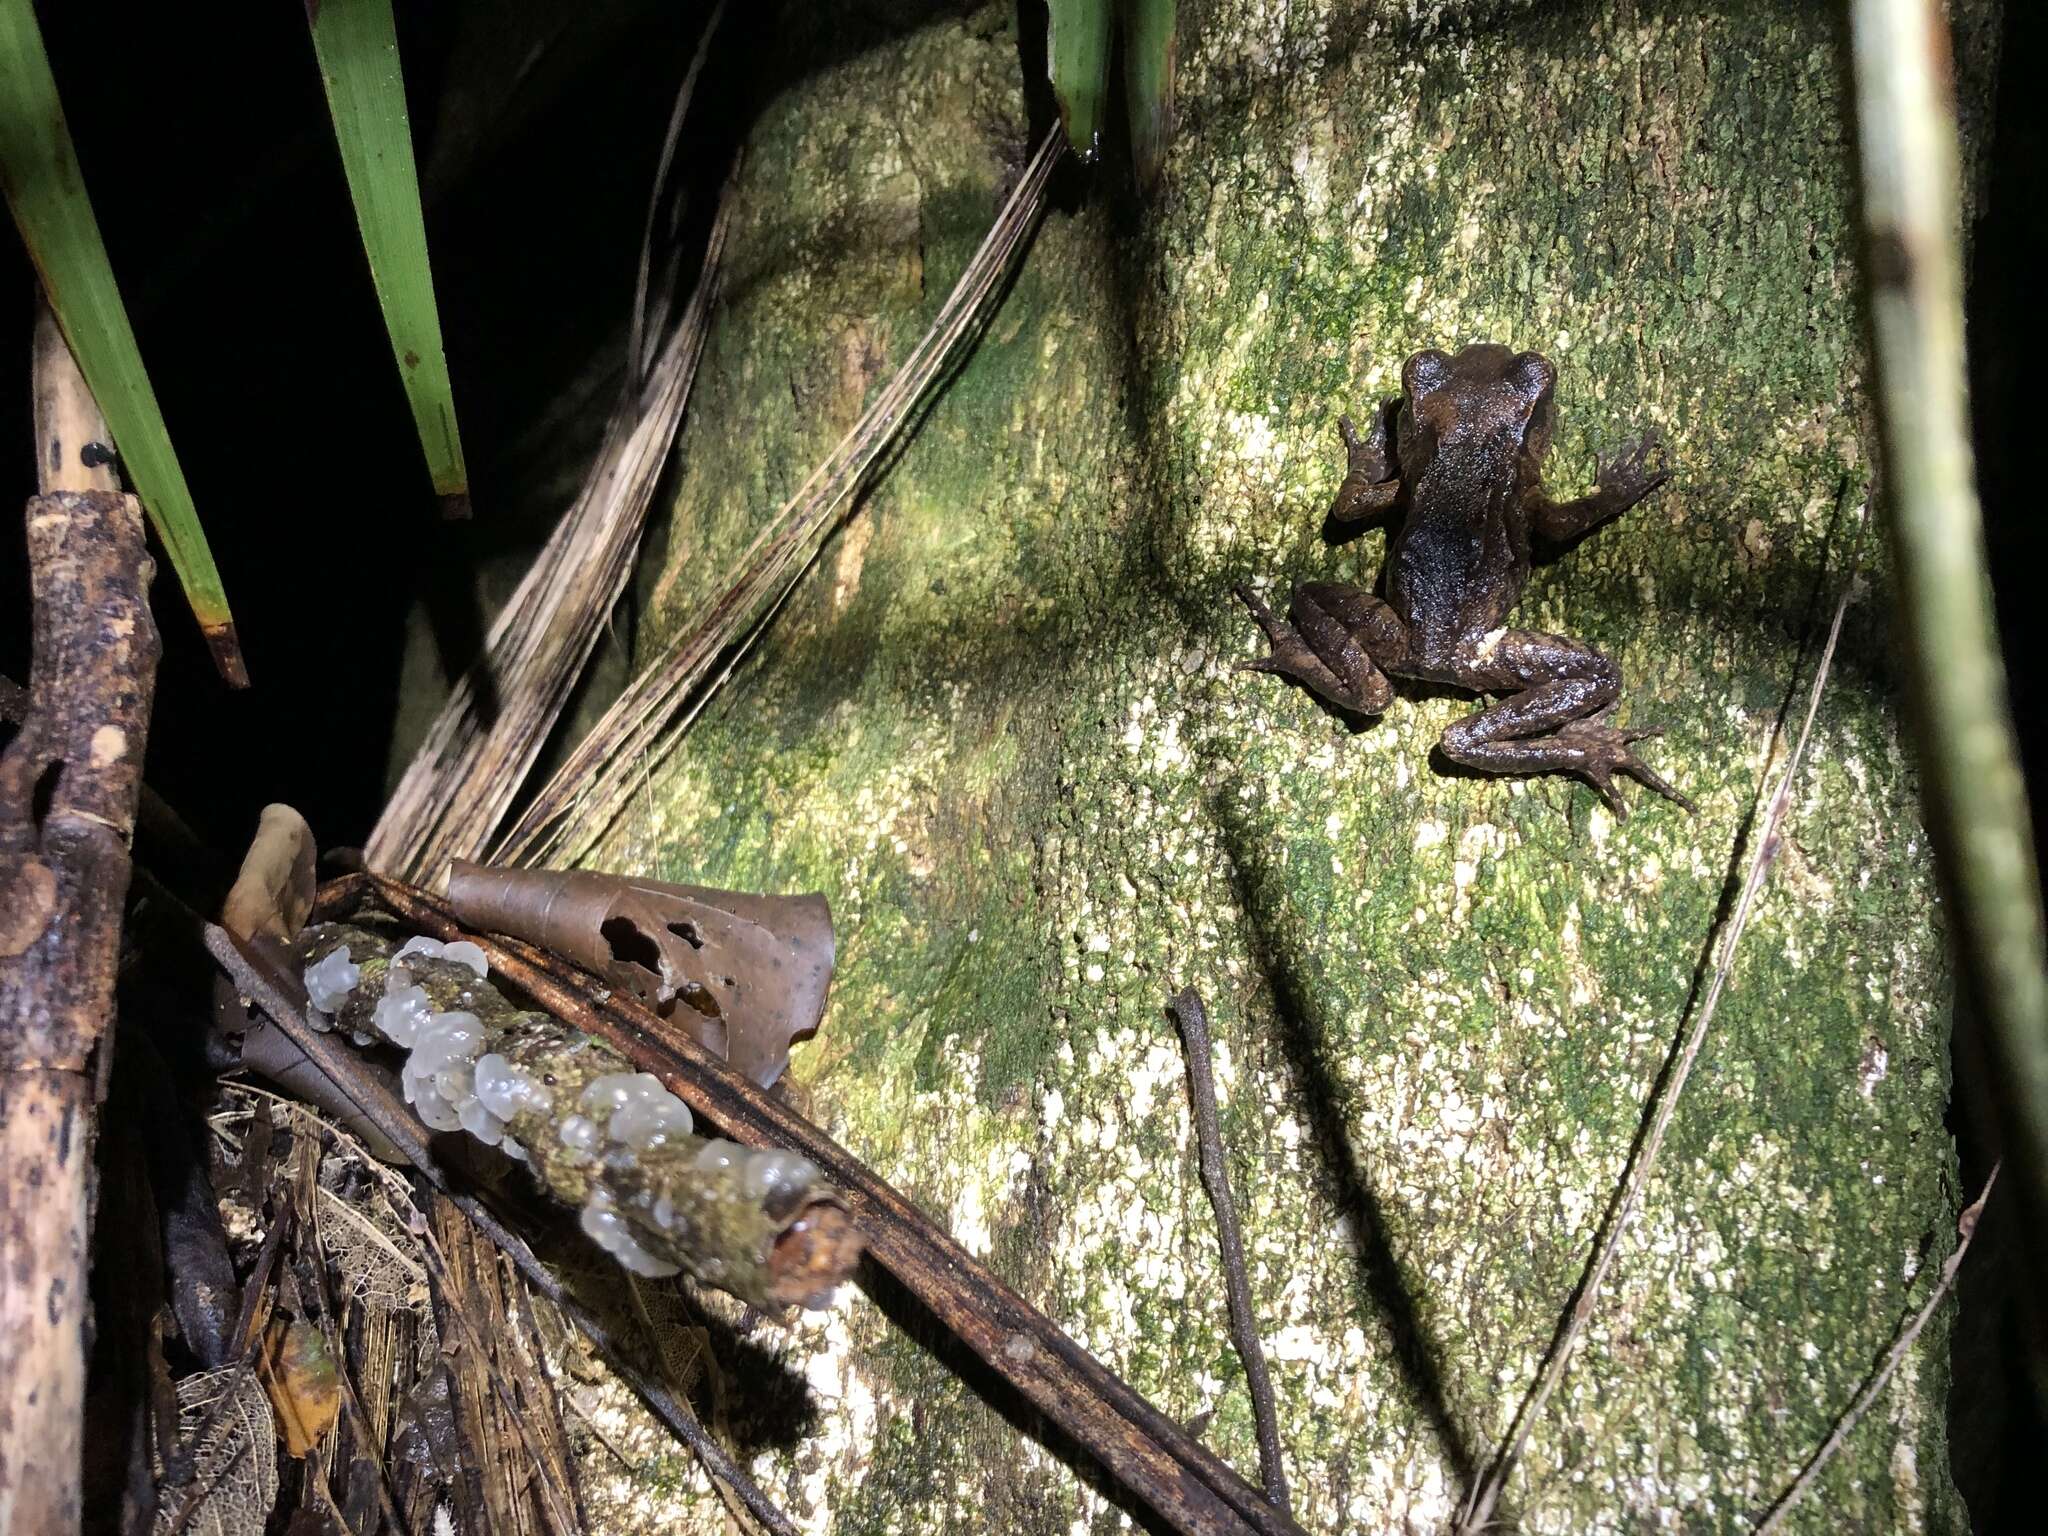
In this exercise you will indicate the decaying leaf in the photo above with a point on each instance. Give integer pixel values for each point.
(229, 1486)
(305, 1388)
(750, 971)
(274, 891)
(269, 903)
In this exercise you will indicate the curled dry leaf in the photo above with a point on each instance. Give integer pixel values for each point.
(745, 974)
(298, 1372)
(268, 905)
(274, 891)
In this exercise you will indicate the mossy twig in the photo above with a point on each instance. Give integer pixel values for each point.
(260, 981)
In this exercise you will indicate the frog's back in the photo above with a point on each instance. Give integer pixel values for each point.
(1458, 564)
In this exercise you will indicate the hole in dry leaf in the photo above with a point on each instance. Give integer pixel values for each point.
(629, 945)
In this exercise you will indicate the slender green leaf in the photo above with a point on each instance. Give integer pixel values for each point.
(1078, 53)
(1148, 82)
(46, 192)
(356, 42)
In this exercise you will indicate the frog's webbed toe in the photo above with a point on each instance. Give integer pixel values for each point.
(1634, 472)
(1607, 752)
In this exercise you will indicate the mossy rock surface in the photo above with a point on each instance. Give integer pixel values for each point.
(999, 725)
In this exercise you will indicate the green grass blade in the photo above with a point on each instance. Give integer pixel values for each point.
(1078, 55)
(40, 175)
(1148, 83)
(356, 42)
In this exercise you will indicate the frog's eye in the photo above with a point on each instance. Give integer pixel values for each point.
(1423, 372)
(1531, 375)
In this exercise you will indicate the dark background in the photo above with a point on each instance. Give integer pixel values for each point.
(213, 172)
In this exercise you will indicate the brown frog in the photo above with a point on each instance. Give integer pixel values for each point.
(1461, 451)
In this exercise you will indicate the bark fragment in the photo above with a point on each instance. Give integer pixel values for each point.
(68, 784)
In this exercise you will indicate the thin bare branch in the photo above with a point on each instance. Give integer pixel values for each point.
(1966, 1229)
(1244, 1323)
(1769, 833)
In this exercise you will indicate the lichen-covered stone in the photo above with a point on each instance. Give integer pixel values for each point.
(998, 724)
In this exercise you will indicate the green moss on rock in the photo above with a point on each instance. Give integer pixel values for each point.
(999, 724)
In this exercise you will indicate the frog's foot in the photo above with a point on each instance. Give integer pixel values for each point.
(1603, 750)
(1370, 483)
(1632, 474)
(1318, 650)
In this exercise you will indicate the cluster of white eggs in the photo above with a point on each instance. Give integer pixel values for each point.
(618, 1115)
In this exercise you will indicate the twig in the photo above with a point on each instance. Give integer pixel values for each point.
(359, 1420)
(590, 1423)
(1244, 1326)
(1769, 832)
(1975, 798)
(1966, 1229)
(1183, 1482)
(682, 1397)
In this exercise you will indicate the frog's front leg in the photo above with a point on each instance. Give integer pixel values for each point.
(1335, 639)
(1557, 688)
(1623, 481)
(1371, 481)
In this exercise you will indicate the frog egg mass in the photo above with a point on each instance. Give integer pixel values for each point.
(641, 1113)
(454, 1081)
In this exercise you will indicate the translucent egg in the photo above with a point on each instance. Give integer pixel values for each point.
(771, 1171)
(648, 1122)
(481, 1123)
(401, 1012)
(507, 1090)
(331, 978)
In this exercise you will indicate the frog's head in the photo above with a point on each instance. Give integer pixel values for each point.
(1485, 389)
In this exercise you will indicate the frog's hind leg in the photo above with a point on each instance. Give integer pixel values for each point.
(1552, 724)
(1335, 634)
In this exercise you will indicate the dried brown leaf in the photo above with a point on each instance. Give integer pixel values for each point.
(274, 891)
(746, 975)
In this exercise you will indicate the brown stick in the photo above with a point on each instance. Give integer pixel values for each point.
(1181, 1480)
(1193, 1019)
(68, 784)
